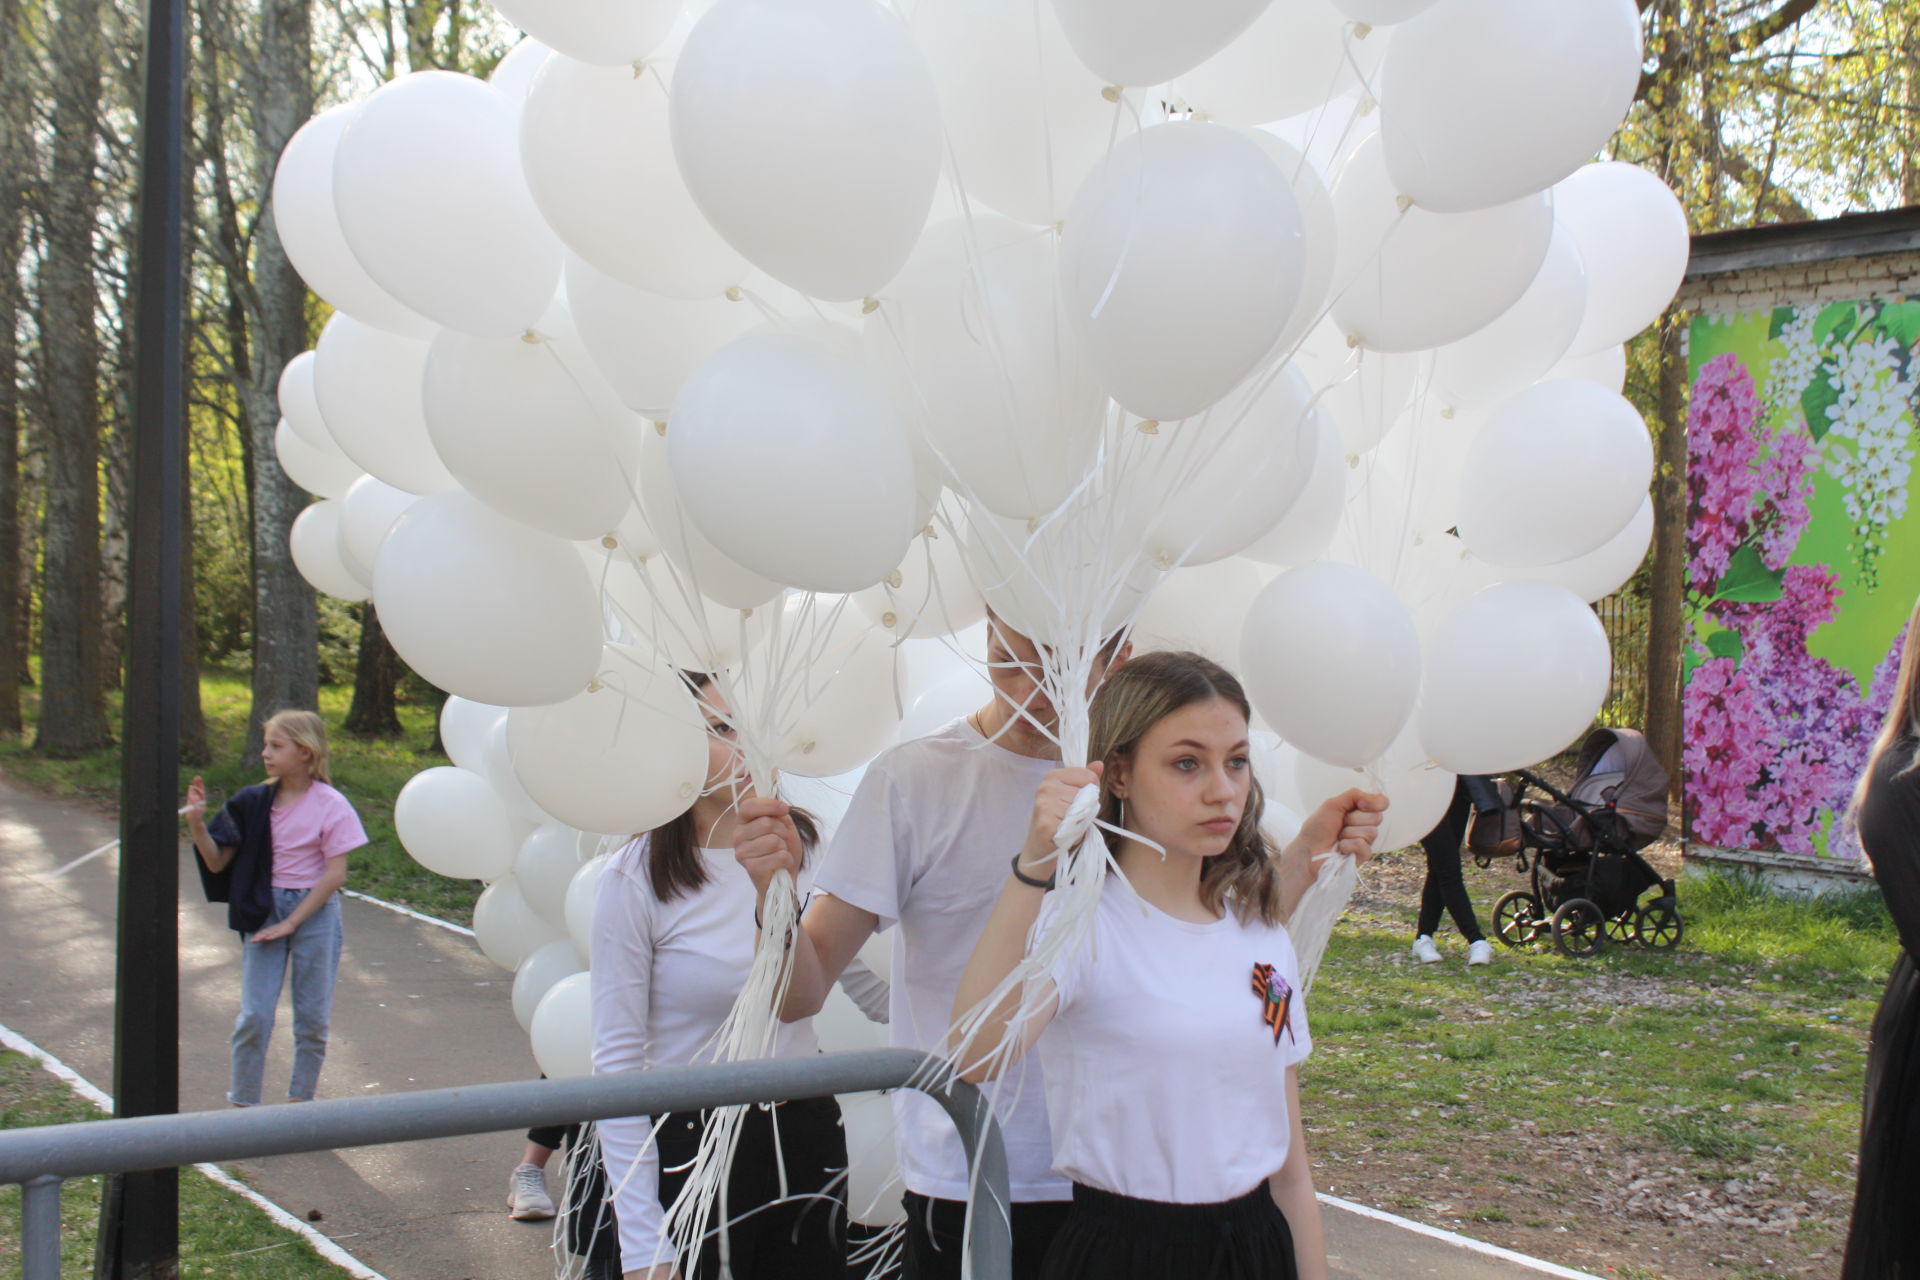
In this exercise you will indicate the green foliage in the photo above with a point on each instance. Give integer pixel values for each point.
(217, 1228)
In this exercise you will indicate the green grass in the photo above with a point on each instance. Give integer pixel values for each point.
(1745, 1048)
(220, 1233)
(370, 773)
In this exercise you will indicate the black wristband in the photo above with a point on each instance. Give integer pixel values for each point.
(1026, 879)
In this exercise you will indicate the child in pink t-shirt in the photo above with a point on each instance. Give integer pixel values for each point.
(277, 854)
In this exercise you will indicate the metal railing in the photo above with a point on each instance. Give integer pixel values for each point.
(40, 1159)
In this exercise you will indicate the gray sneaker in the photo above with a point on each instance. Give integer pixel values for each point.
(527, 1198)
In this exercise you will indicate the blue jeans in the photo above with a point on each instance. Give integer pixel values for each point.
(314, 950)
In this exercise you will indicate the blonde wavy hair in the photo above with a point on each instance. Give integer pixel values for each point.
(1135, 696)
(306, 730)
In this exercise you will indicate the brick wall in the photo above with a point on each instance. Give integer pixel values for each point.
(1839, 280)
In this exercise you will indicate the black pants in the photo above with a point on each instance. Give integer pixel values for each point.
(1884, 1240)
(936, 1234)
(801, 1236)
(1115, 1237)
(1446, 886)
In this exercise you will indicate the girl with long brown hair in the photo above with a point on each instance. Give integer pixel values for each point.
(1171, 1043)
(1884, 1242)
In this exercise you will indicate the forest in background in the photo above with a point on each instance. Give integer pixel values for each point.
(1754, 111)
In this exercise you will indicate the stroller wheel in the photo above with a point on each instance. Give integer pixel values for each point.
(1579, 930)
(1659, 925)
(1517, 919)
(1624, 928)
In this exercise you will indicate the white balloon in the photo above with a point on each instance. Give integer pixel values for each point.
(485, 608)
(513, 75)
(1332, 661)
(929, 595)
(1599, 573)
(1632, 234)
(1181, 262)
(452, 823)
(1363, 391)
(1318, 228)
(628, 754)
(1297, 54)
(496, 766)
(599, 162)
(1418, 792)
(1202, 609)
(1607, 367)
(1026, 121)
(1527, 340)
(1517, 673)
(582, 892)
(663, 623)
(701, 565)
(325, 473)
(1381, 13)
(1203, 489)
(1485, 101)
(1303, 532)
(1328, 133)
(309, 228)
(973, 343)
(1046, 582)
(545, 865)
(537, 975)
(943, 701)
(562, 1028)
(644, 344)
(790, 458)
(808, 132)
(1144, 42)
(531, 429)
(613, 33)
(368, 511)
(465, 726)
(506, 928)
(1512, 509)
(1412, 278)
(368, 384)
(846, 708)
(300, 407)
(314, 541)
(428, 186)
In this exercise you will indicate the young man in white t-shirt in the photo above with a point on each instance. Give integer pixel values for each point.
(925, 845)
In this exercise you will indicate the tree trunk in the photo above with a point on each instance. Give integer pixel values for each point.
(72, 710)
(16, 169)
(286, 627)
(1668, 588)
(194, 748)
(377, 671)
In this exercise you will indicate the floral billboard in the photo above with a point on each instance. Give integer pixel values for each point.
(1803, 561)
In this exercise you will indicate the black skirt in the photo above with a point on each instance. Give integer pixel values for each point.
(1116, 1237)
(1884, 1241)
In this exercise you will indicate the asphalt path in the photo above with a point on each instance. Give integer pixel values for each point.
(416, 1007)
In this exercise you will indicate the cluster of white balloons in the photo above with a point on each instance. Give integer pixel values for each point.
(698, 317)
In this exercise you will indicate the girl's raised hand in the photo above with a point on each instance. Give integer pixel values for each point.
(196, 808)
(1056, 794)
(766, 841)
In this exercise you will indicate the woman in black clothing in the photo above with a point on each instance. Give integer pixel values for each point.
(1884, 1243)
(1446, 886)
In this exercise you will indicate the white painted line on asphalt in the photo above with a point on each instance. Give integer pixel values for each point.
(322, 1244)
(408, 911)
(1454, 1238)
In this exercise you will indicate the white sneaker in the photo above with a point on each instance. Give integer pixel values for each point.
(1480, 952)
(1424, 951)
(527, 1198)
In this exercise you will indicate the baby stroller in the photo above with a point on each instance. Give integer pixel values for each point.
(1582, 849)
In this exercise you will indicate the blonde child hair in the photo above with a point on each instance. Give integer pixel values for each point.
(306, 730)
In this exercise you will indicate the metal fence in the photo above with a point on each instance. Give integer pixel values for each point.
(1625, 618)
(40, 1159)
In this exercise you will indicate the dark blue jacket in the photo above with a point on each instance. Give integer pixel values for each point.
(245, 825)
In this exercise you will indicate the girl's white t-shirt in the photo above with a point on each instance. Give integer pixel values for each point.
(1166, 1059)
(665, 976)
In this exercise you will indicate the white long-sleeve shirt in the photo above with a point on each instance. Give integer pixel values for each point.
(665, 976)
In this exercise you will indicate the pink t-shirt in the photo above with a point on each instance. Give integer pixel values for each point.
(319, 825)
